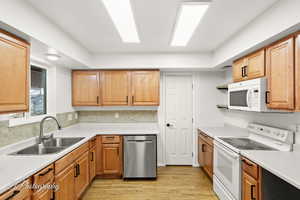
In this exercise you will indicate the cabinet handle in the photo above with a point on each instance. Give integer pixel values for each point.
(97, 99)
(242, 71)
(132, 99)
(78, 169)
(13, 194)
(249, 164)
(267, 97)
(92, 159)
(245, 71)
(127, 99)
(43, 174)
(202, 148)
(252, 192)
(75, 168)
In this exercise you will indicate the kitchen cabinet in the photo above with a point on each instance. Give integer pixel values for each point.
(249, 67)
(145, 88)
(205, 149)
(297, 73)
(250, 180)
(72, 173)
(44, 177)
(280, 74)
(43, 194)
(86, 88)
(81, 174)
(66, 183)
(19, 192)
(109, 156)
(92, 158)
(115, 87)
(14, 69)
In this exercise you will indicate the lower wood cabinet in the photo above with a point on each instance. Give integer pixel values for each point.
(109, 156)
(43, 194)
(20, 192)
(92, 164)
(251, 177)
(82, 174)
(66, 183)
(205, 153)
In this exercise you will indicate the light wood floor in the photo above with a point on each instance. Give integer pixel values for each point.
(173, 183)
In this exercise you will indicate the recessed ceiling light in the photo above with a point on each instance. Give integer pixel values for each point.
(189, 17)
(52, 54)
(122, 17)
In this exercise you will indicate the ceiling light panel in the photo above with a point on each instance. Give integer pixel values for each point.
(188, 19)
(123, 19)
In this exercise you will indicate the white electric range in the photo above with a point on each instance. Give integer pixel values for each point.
(227, 159)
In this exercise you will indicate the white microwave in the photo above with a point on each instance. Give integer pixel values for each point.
(248, 95)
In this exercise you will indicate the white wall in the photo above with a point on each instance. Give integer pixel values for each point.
(21, 16)
(63, 90)
(162, 61)
(269, 26)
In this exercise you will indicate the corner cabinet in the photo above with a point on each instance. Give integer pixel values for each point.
(116, 88)
(86, 88)
(14, 69)
(280, 74)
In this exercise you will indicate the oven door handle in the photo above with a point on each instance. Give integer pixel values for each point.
(231, 154)
(248, 98)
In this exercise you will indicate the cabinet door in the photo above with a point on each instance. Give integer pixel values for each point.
(250, 188)
(297, 75)
(280, 74)
(19, 192)
(255, 65)
(46, 194)
(99, 155)
(201, 151)
(111, 159)
(145, 88)
(66, 183)
(14, 67)
(92, 163)
(82, 175)
(208, 159)
(237, 70)
(86, 88)
(115, 87)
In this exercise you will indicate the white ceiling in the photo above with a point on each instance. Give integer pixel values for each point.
(88, 23)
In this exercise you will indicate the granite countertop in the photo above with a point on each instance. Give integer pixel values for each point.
(16, 168)
(224, 131)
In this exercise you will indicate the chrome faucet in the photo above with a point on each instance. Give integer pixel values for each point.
(42, 137)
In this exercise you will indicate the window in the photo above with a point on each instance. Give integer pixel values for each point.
(38, 91)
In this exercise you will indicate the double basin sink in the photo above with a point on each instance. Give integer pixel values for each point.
(49, 146)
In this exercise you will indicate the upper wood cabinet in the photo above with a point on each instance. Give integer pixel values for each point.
(145, 88)
(297, 73)
(14, 69)
(115, 87)
(86, 88)
(280, 74)
(250, 67)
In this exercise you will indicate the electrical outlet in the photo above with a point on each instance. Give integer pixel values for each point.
(117, 115)
(76, 115)
(70, 117)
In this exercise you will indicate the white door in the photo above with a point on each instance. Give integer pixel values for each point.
(178, 123)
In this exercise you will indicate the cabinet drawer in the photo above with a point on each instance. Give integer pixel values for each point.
(112, 139)
(92, 142)
(43, 194)
(68, 159)
(21, 191)
(44, 175)
(250, 168)
(206, 138)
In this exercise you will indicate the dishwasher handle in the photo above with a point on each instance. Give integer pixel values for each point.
(146, 141)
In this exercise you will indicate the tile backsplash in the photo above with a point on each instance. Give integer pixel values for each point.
(9, 135)
(118, 116)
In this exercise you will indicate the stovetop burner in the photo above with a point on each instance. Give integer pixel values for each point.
(246, 144)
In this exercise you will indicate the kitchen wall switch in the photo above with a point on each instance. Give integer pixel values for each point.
(76, 115)
(117, 115)
(70, 117)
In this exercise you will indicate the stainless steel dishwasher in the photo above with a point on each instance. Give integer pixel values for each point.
(140, 156)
